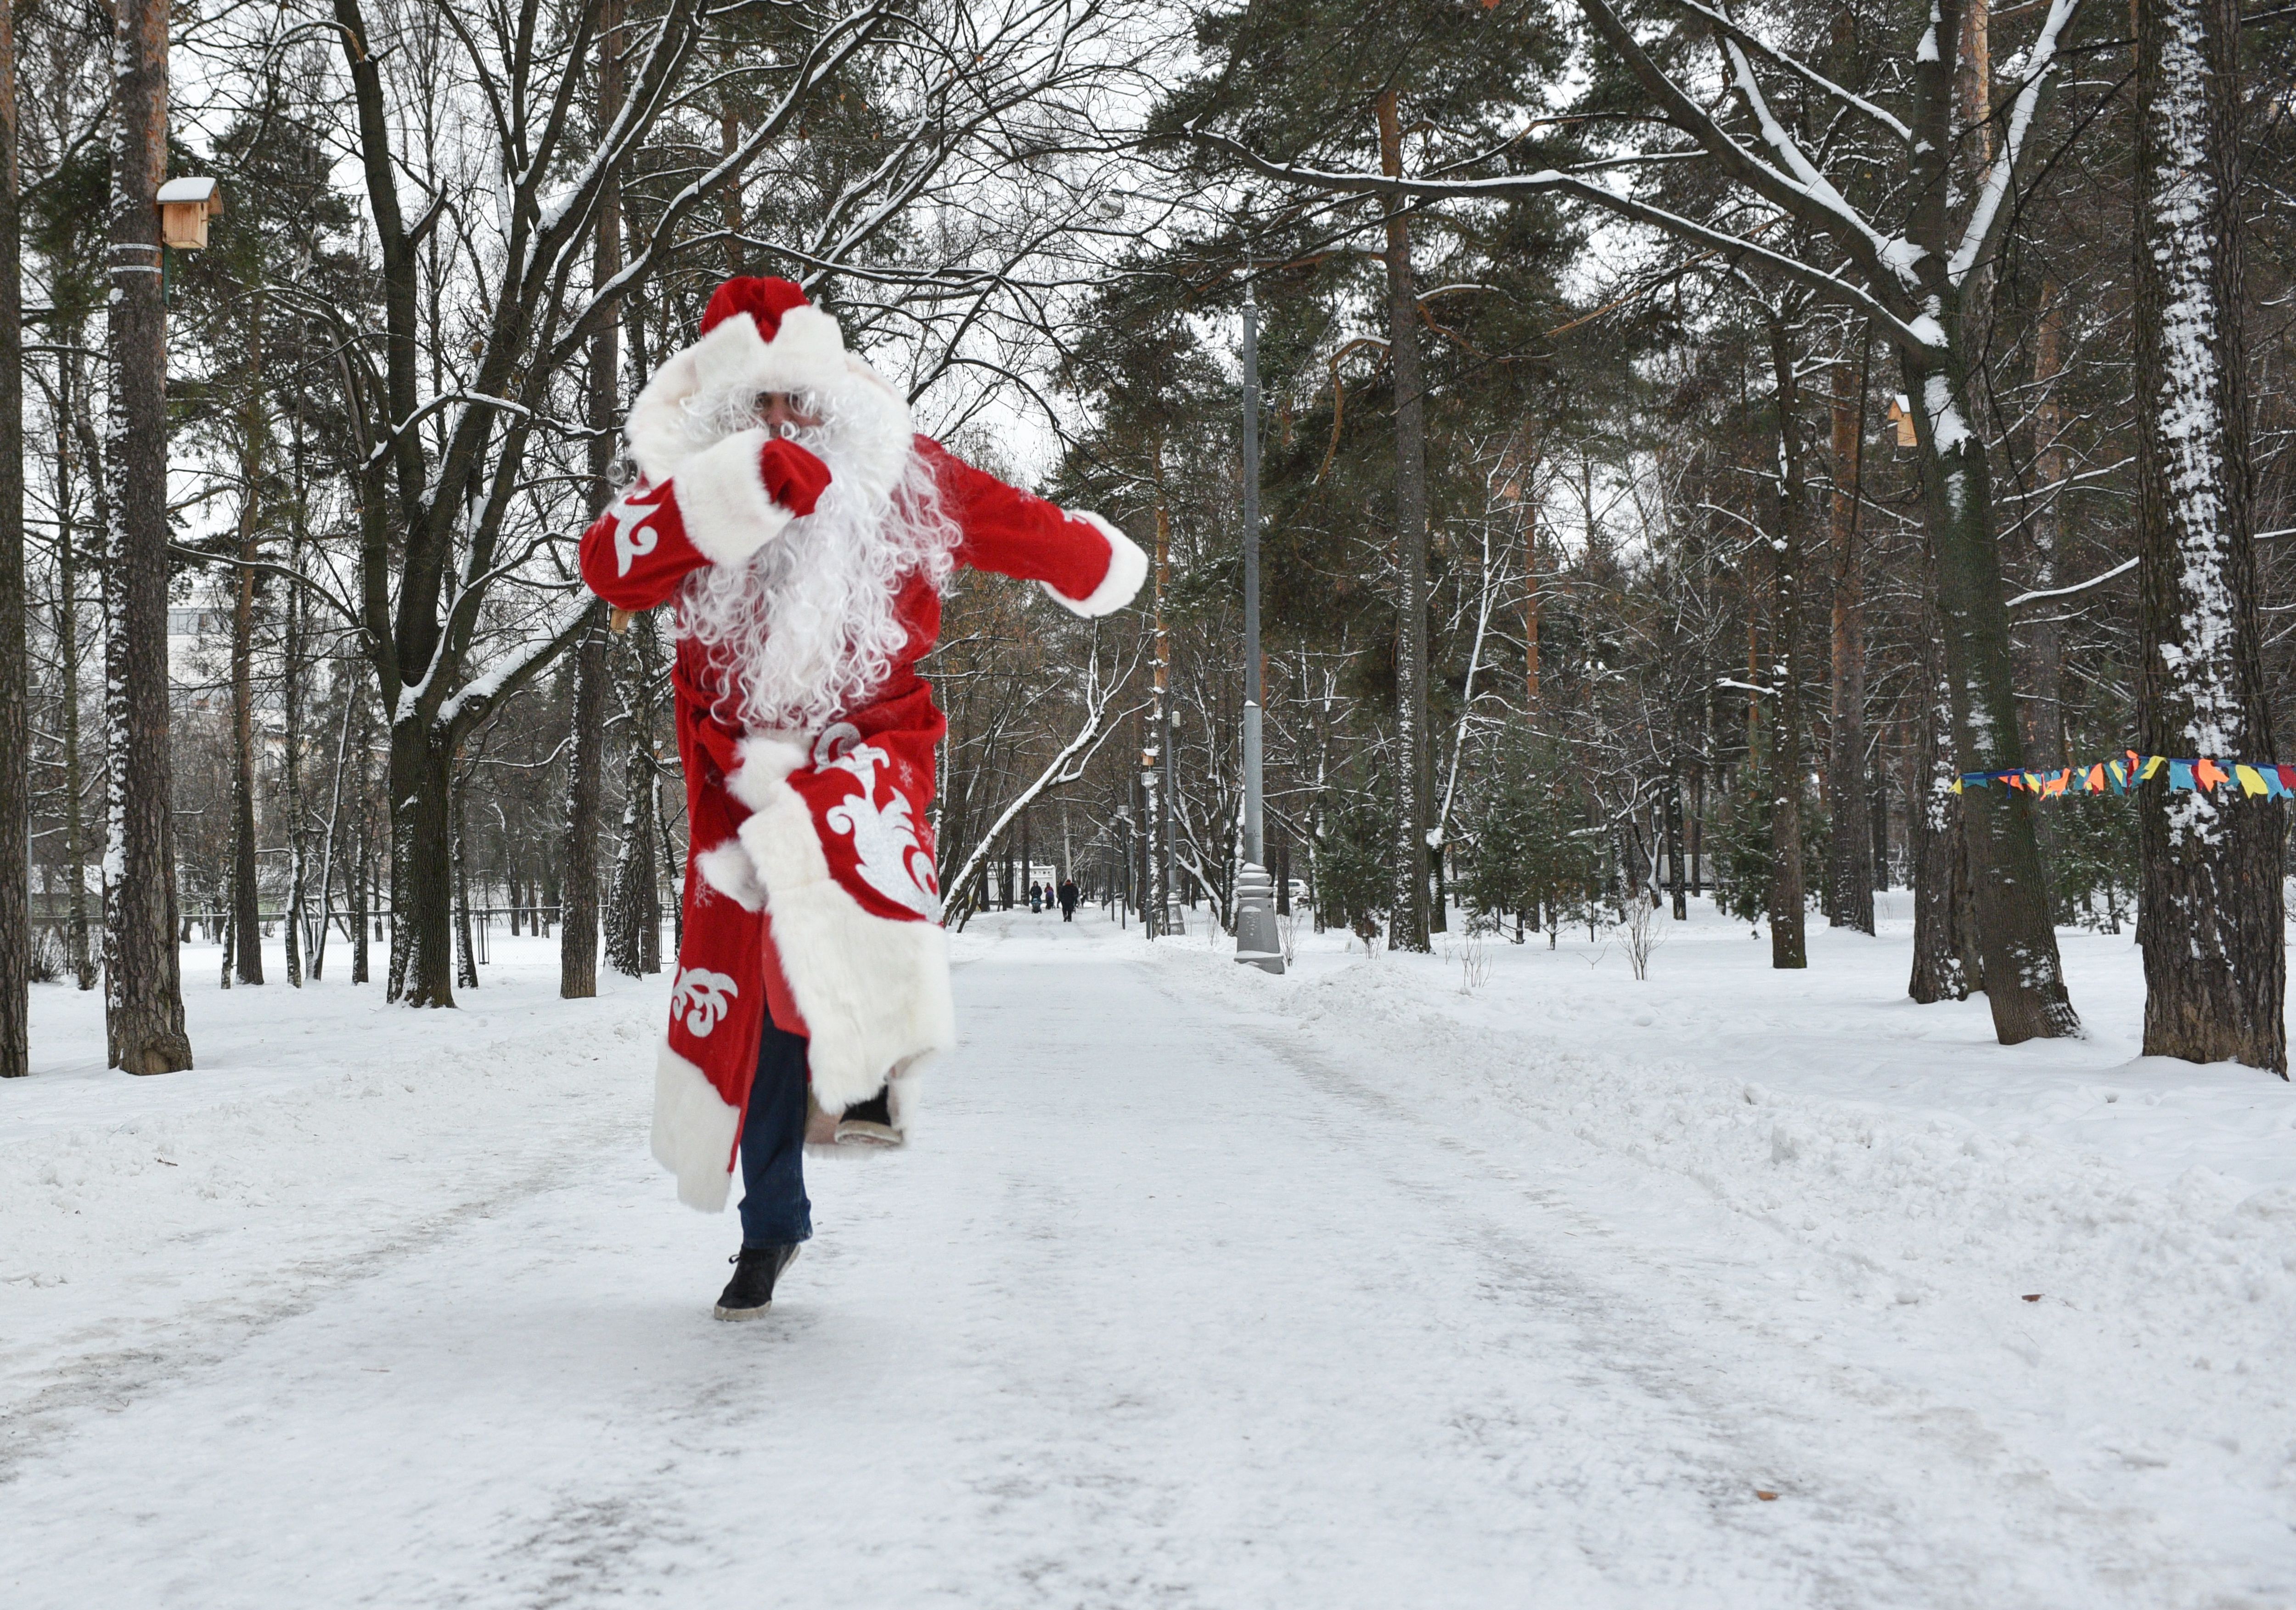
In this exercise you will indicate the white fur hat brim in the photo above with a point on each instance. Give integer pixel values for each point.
(808, 353)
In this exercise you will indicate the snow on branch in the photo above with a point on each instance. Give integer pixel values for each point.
(1986, 216)
(1828, 283)
(1727, 28)
(1887, 248)
(2122, 569)
(511, 671)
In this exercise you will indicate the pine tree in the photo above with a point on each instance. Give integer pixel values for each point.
(143, 986)
(2210, 918)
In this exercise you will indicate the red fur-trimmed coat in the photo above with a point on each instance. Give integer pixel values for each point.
(810, 882)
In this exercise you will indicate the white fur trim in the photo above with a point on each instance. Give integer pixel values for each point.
(1127, 568)
(655, 428)
(721, 497)
(874, 991)
(694, 1132)
(808, 354)
(726, 868)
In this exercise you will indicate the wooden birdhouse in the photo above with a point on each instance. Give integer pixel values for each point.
(185, 206)
(1902, 416)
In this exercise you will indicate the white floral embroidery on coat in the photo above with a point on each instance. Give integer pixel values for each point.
(884, 835)
(704, 997)
(634, 533)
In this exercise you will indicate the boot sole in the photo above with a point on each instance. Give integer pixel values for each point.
(868, 1132)
(767, 1307)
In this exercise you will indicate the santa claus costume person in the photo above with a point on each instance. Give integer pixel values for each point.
(803, 531)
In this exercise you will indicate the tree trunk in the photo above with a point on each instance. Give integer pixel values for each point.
(1788, 946)
(2046, 726)
(1158, 898)
(1850, 868)
(143, 991)
(2024, 980)
(2015, 939)
(1530, 608)
(422, 868)
(466, 961)
(246, 888)
(15, 672)
(291, 750)
(578, 938)
(1698, 830)
(1408, 924)
(1878, 803)
(578, 935)
(1675, 885)
(633, 908)
(68, 654)
(1933, 822)
(671, 867)
(2209, 913)
(358, 866)
(729, 141)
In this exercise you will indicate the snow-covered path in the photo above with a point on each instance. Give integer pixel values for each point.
(1172, 1304)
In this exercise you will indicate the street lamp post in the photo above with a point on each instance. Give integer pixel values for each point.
(1257, 941)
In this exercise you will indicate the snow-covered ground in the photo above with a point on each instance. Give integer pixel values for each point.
(1200, 1287)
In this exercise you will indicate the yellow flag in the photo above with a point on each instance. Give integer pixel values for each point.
(2249, 782)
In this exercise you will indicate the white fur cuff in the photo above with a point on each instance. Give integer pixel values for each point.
(728, 870)
(1127, 568)
(694, 1132)
(721, 497)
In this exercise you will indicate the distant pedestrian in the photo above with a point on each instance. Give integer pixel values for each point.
(1035, 896)
(1067, 900)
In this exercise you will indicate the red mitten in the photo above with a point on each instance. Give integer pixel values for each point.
(794, 477)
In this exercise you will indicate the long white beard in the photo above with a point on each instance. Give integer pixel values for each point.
(807, 629)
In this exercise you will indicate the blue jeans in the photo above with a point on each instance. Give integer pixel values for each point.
(774, 1211)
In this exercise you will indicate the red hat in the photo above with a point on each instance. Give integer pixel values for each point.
(758, 333)
(765, 300)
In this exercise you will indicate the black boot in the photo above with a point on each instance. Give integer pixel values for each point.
(751, 1292)
(869, 1122)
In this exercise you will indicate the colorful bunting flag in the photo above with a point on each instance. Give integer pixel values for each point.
(2256, 779)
